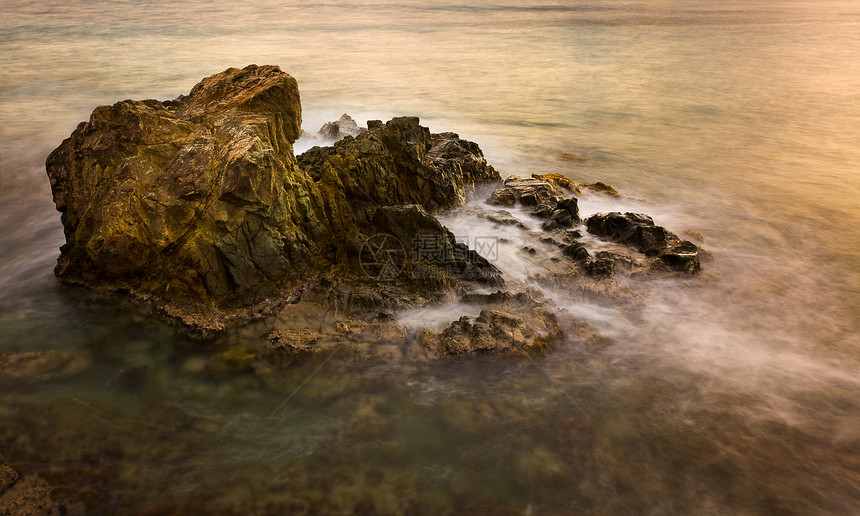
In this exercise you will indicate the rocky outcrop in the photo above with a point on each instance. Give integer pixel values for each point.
(399, 162)
(200, 205)
(549, 197)
(543, 194)
(344, 126)
(525, 191)
(638, 231)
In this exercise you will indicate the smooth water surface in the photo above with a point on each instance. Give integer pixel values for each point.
(733, 392)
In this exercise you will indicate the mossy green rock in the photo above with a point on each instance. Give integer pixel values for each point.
(200, 204)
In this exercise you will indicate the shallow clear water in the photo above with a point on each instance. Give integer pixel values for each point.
(733, 392)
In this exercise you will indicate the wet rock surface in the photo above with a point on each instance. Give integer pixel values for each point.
(544, 197)
(640, 232)
(199, 205)
(547, 197)
(571, 186)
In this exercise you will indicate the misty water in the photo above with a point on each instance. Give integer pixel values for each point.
(735, 391)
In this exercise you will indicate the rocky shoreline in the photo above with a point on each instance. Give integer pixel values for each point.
(199, 207)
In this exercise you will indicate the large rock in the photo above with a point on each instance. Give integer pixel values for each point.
(199, 203)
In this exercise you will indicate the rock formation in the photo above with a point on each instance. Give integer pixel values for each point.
(639, 232)
(512, 324)
(199, 203)
(344, 126)
(543, 197)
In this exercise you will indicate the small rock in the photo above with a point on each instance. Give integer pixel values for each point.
(344, 126)
(572, 235)
(603, 188)
(620, 260)
(502, 197)
(495, 332)
(543, 211)
(550, 225)
(571, 205)
(600, 268)
(558, 180)
(576, 251)
(530, 191)
(503, 218)
(562, 218)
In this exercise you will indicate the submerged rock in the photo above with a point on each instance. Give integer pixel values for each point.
(293, 342)
(29, 496)
(516, 324)
(361, 339)
(8, 476)
(493, 332)
(199, 204)
(29, 366)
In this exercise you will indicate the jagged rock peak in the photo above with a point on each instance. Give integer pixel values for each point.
(344, 126)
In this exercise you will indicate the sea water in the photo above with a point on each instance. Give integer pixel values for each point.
(733, 392)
